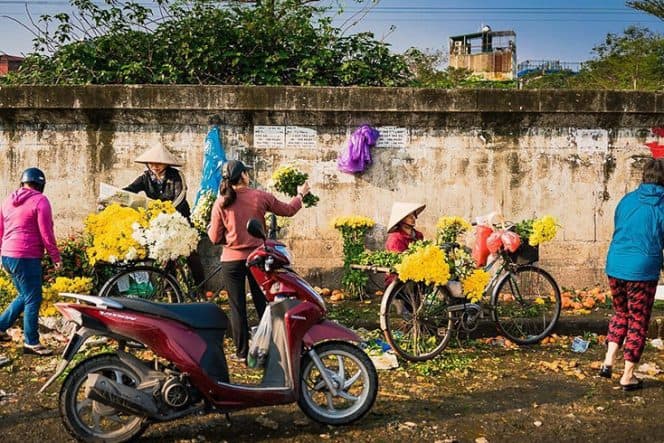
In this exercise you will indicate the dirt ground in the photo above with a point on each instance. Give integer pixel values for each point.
(478, 391)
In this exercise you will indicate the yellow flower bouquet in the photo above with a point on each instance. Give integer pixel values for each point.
(536, 231)
(51, 293)
(424, 262)
(286, 179)
(448, 229)
(119, 233)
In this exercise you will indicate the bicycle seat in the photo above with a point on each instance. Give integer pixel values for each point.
(196, 315)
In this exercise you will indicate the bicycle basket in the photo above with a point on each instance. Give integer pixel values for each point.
(525, 255)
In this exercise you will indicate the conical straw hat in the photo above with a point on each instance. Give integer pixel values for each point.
(158, 154)
(400, 210)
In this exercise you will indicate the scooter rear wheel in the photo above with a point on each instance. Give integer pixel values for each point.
(90, 421)
(353, 375)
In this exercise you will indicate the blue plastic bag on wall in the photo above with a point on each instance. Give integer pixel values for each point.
(215, 157)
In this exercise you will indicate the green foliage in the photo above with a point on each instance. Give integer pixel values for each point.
(525, 229)
(445, 363)
(353, 281)
(654, 7)
(555, 80)
(385, 259)
(74, 260)
(201, 42)
(634, 60)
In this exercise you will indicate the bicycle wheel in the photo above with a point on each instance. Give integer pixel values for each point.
(415, 320)
(181, 271)
(146, 282)
(526, 304)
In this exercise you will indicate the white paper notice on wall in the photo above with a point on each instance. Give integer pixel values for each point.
(392, 137)
(590, 140)
(269, 136)
(298, 137)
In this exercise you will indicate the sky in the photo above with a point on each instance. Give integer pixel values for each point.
(563, 30)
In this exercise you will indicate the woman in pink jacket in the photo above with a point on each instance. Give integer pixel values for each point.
(26, 229)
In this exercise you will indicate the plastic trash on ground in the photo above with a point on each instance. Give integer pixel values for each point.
(386, 360)
(580, 345)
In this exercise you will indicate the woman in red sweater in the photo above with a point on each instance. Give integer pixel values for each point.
(235, 206)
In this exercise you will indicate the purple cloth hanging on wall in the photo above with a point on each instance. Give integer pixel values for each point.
(357, 156)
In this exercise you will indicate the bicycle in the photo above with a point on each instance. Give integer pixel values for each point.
(418, 320)
(171, 284)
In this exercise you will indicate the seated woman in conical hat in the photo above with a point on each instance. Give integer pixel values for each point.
(401, 229)
(161, 181)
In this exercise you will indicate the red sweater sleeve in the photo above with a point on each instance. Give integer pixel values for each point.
(217, 230)
(281, 208)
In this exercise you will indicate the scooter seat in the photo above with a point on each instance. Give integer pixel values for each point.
(196, 315)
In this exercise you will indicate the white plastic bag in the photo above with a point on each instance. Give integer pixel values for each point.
(260, 342)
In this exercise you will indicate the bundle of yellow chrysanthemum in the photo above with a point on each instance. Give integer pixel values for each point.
(473, 285)
(112, 231)
(287, 178)
(7, 291)
(424, 263)
(51, 294)
(448, 228)
(537, 231)
(544, 230)
(353, 222)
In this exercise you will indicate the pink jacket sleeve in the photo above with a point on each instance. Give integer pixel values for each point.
(45, 223)
(2, 226)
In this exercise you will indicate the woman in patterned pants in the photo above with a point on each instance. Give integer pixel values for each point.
(633, 265)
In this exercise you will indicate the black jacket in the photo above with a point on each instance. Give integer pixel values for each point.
(173, 188)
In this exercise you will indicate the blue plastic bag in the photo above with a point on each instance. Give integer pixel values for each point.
(215, 157)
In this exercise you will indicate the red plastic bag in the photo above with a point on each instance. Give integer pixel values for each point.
(494, 242)
(480, 251)
(511, 240)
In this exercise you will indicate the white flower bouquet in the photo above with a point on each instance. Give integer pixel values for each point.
(167, 237)
(200, 216)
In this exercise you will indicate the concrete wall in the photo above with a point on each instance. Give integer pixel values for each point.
(569, 154)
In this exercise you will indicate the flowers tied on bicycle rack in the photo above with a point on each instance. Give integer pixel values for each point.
(124, 234)
(536, 231)
(425, 262)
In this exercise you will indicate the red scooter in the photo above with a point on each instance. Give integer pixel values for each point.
(113, 397)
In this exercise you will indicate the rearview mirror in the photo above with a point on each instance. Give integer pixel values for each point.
(255, 229)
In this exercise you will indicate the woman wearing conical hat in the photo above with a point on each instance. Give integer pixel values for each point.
(401, 229)
(161, 181)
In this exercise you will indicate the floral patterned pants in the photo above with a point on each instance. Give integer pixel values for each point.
(632, 303)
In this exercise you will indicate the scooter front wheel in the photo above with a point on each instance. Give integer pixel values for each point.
(353, 377)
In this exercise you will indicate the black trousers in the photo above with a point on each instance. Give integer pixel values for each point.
(234, 274)
(196, 266)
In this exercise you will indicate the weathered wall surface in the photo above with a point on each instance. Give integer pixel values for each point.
(569, 154)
